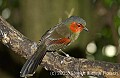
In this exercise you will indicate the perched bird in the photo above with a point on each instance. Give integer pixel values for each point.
(54, 39)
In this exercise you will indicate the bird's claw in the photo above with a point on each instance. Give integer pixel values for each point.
(67, 55)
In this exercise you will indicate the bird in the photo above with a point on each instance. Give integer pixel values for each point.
(56, 38)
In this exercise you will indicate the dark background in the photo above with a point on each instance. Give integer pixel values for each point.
(34, 17)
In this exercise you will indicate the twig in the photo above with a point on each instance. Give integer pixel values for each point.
(69, 13)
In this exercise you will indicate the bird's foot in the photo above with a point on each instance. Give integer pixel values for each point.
(67, 55)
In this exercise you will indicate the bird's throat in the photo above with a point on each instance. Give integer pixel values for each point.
(74, 36)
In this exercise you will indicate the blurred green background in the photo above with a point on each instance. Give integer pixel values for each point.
(34, 17)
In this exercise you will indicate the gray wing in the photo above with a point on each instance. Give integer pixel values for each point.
(57, 32)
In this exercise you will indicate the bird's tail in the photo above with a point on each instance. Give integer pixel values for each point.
(32, 63)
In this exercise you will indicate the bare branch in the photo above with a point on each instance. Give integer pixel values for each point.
(80, 67)
(69, 66)
(15, 40)
(70, 13)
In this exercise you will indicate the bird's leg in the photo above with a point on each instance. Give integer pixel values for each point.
(64, 53)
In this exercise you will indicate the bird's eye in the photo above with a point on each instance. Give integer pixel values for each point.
(79, 25)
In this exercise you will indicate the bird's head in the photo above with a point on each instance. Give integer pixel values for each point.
(76, 24)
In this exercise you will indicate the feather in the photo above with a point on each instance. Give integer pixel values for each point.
(32, 63)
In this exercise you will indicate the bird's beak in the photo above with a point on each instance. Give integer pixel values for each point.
(85, 29)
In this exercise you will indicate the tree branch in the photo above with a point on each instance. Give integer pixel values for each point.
(69, 66)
